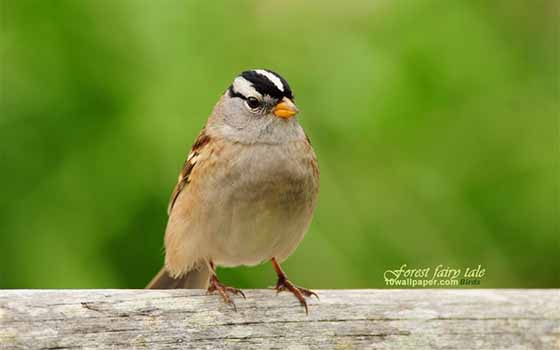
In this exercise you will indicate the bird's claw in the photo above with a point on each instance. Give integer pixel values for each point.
(224, 291)
(300, 293)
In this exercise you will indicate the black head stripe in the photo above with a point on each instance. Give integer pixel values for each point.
(265, 87)
(287, 90)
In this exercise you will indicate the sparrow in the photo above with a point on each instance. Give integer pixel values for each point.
(246, 193)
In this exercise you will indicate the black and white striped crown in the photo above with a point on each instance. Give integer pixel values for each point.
(262, 82)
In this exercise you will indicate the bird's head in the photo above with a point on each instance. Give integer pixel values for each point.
(263, 92)
(257, 106)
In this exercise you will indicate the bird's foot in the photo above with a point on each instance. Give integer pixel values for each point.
(224, 291)
(300, 293)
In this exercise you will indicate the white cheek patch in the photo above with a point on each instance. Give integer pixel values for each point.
(244, 87)
(273, 78)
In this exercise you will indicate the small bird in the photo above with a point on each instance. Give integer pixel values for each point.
(246, 193)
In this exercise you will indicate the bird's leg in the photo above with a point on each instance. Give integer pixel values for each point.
(284, 284)
(216, 286)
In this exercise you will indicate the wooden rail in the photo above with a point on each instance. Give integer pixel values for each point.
(342, 319)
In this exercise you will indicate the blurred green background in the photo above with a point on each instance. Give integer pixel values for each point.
(436, 124)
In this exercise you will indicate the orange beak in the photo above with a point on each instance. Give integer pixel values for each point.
(285, 109)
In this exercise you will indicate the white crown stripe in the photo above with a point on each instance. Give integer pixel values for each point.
(273, 78)
(244, 87)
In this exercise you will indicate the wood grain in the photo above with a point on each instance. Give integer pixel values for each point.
(342, 319)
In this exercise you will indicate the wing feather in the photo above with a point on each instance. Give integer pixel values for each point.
(184, 177)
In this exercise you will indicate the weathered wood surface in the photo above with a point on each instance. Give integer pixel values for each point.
(342, 319)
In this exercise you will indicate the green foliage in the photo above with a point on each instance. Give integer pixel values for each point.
(435, 124)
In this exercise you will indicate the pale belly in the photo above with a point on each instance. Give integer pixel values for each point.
(265, 211)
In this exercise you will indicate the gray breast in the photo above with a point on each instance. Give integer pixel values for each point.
(267, 205)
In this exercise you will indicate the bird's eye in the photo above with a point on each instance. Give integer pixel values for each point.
(253, 103)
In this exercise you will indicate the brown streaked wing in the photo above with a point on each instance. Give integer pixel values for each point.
(190, 163)
(314, 163)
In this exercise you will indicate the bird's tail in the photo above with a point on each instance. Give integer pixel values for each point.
(195, 279)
